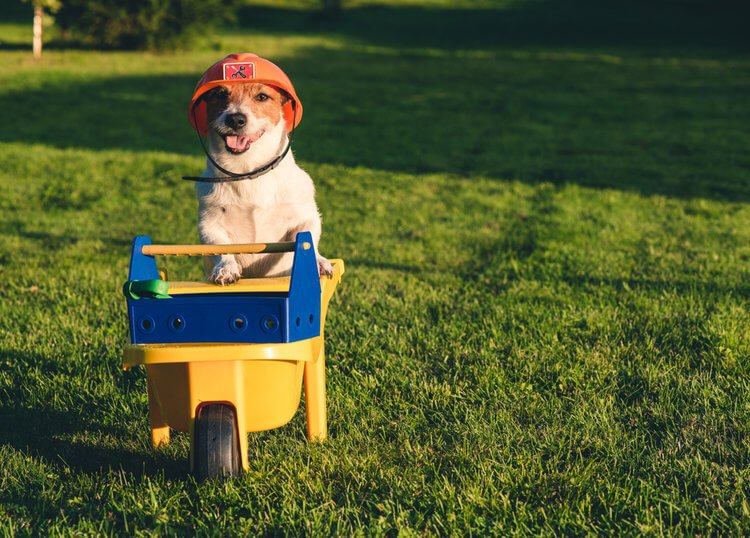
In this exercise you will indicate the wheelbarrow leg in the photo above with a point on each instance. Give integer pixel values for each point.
(315, 398)
(159, 427)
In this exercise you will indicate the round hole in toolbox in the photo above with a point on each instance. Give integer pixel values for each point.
(146, 324)
(269, 323)
(177, 323)
(238, 323)
(298, 321)
(311, 319)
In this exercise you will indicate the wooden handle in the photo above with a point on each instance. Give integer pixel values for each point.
(216, 250)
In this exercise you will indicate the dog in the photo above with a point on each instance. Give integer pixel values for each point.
(247, 127)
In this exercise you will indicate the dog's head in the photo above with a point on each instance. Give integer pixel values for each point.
(245, 105)
(240, 115)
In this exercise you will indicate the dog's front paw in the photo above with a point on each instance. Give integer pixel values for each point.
(325, 267)
(227, 271)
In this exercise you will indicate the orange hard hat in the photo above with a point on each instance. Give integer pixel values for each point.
(237, 68)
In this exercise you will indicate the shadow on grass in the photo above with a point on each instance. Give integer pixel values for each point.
(53, 240)
(38, 432)
(77, 438)
(636, 26)
(14, 47)
(627, 124)
(46, 433)
(519, 243)
(140, 113)
(640, 27)
(655, 130)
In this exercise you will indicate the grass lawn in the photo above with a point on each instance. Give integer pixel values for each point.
(544, 208)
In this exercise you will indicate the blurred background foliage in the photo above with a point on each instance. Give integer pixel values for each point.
(141, 24)
(179, 24)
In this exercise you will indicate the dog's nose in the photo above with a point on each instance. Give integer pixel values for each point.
(236, 121)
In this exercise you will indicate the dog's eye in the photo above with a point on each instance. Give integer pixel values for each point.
(262, 97)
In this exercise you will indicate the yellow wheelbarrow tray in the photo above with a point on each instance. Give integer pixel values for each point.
(257, 383)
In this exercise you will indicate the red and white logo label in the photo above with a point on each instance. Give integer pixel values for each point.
(239, 71)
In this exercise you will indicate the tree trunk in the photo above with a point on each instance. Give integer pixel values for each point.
(38, 31)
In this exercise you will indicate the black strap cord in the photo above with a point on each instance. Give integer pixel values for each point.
(233, 176)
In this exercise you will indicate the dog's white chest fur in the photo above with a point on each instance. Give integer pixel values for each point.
(247, 130)
(272, 207)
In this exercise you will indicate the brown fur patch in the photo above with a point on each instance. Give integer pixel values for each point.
(248, 95)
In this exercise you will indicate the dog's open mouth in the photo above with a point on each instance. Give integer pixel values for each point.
(239, 143)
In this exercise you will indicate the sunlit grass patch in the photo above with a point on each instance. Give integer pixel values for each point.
(542, 328)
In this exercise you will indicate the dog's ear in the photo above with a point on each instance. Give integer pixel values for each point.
(285, 97)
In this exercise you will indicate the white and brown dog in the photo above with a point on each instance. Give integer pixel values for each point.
(247, 126)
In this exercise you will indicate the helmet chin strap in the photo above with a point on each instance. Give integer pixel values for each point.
(233, 176)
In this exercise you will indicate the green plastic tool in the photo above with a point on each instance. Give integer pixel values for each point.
(153, 289)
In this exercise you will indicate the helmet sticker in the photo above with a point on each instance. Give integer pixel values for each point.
(239, 70)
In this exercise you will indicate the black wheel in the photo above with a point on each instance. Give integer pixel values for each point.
(216, 452)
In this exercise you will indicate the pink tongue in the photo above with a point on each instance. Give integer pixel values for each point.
(237, 142)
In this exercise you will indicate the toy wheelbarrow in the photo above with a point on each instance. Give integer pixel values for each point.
(222, 361)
